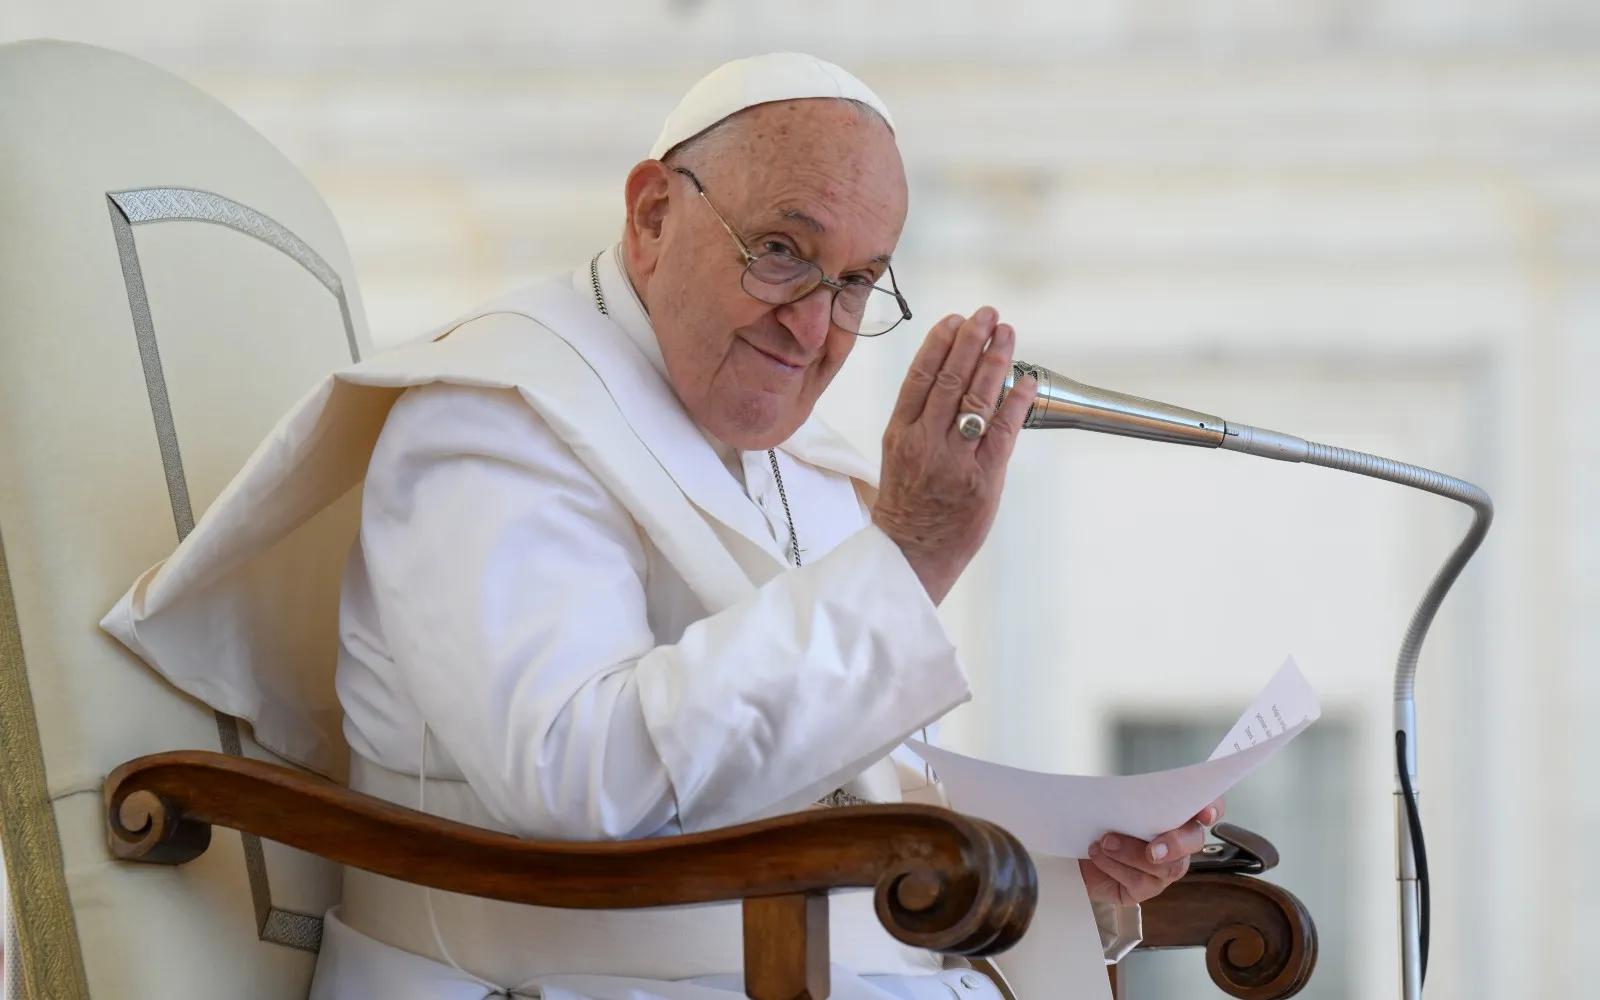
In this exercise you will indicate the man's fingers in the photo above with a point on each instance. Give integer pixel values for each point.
(951, 383)
(984, 393)
(924, 368)
(1007, 423)
(1136, 853)
(1137, 885)
(1212, 813)
(1175, 844)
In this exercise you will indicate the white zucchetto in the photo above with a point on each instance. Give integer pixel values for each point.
(745, 83)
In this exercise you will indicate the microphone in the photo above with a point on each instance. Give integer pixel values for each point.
(1067, 404)
(1064, 403)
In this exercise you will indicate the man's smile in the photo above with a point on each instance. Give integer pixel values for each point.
(778, 360)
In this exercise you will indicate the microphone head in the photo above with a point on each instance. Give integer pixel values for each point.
(1063, 403)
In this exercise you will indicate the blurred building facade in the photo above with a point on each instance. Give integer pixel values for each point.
(1372, 222)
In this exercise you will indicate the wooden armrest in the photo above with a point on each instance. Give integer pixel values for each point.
(1260, 942)
(942, 881)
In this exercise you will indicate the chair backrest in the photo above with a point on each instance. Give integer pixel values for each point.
(169, 286)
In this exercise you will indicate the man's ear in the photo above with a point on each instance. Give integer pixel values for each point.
(645, 193)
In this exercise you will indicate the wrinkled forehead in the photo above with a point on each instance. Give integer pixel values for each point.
(824, 126)
(813, 156)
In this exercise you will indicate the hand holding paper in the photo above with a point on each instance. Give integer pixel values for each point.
(1057, 817)
(1126, 871)
(1061, 815)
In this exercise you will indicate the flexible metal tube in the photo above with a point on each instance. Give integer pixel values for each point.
(1361, 463)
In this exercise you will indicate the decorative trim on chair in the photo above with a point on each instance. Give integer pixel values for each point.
(40, 920)
(285, 927)
(147, 205)
(155, 379)
(189, 204)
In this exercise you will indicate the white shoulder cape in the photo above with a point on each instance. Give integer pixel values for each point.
(243, 615)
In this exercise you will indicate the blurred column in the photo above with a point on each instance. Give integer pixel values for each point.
(1569, 884)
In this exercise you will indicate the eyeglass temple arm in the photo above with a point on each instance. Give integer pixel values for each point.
(701, 190)
(894, 285)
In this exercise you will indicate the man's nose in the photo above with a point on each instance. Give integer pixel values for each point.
(809, 317)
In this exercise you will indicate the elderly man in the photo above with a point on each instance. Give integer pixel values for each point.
(614, 580)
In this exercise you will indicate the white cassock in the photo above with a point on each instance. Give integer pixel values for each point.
(577, 614)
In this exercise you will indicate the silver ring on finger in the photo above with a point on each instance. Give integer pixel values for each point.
(971, 425)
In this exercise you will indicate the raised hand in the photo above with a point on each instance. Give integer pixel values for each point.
(938, 490)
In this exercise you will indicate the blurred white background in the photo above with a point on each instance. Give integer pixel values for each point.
(1372, 222)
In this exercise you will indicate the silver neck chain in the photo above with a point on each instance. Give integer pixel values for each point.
(772, 454)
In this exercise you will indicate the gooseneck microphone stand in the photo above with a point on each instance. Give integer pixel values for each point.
(1063, 403)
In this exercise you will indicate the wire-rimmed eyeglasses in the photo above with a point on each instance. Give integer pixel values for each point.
(779, 278)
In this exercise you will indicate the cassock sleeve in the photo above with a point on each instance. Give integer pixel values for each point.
(510, 587)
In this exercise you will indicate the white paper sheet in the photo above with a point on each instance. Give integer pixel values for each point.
(1284, 703)
(1062, 814)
